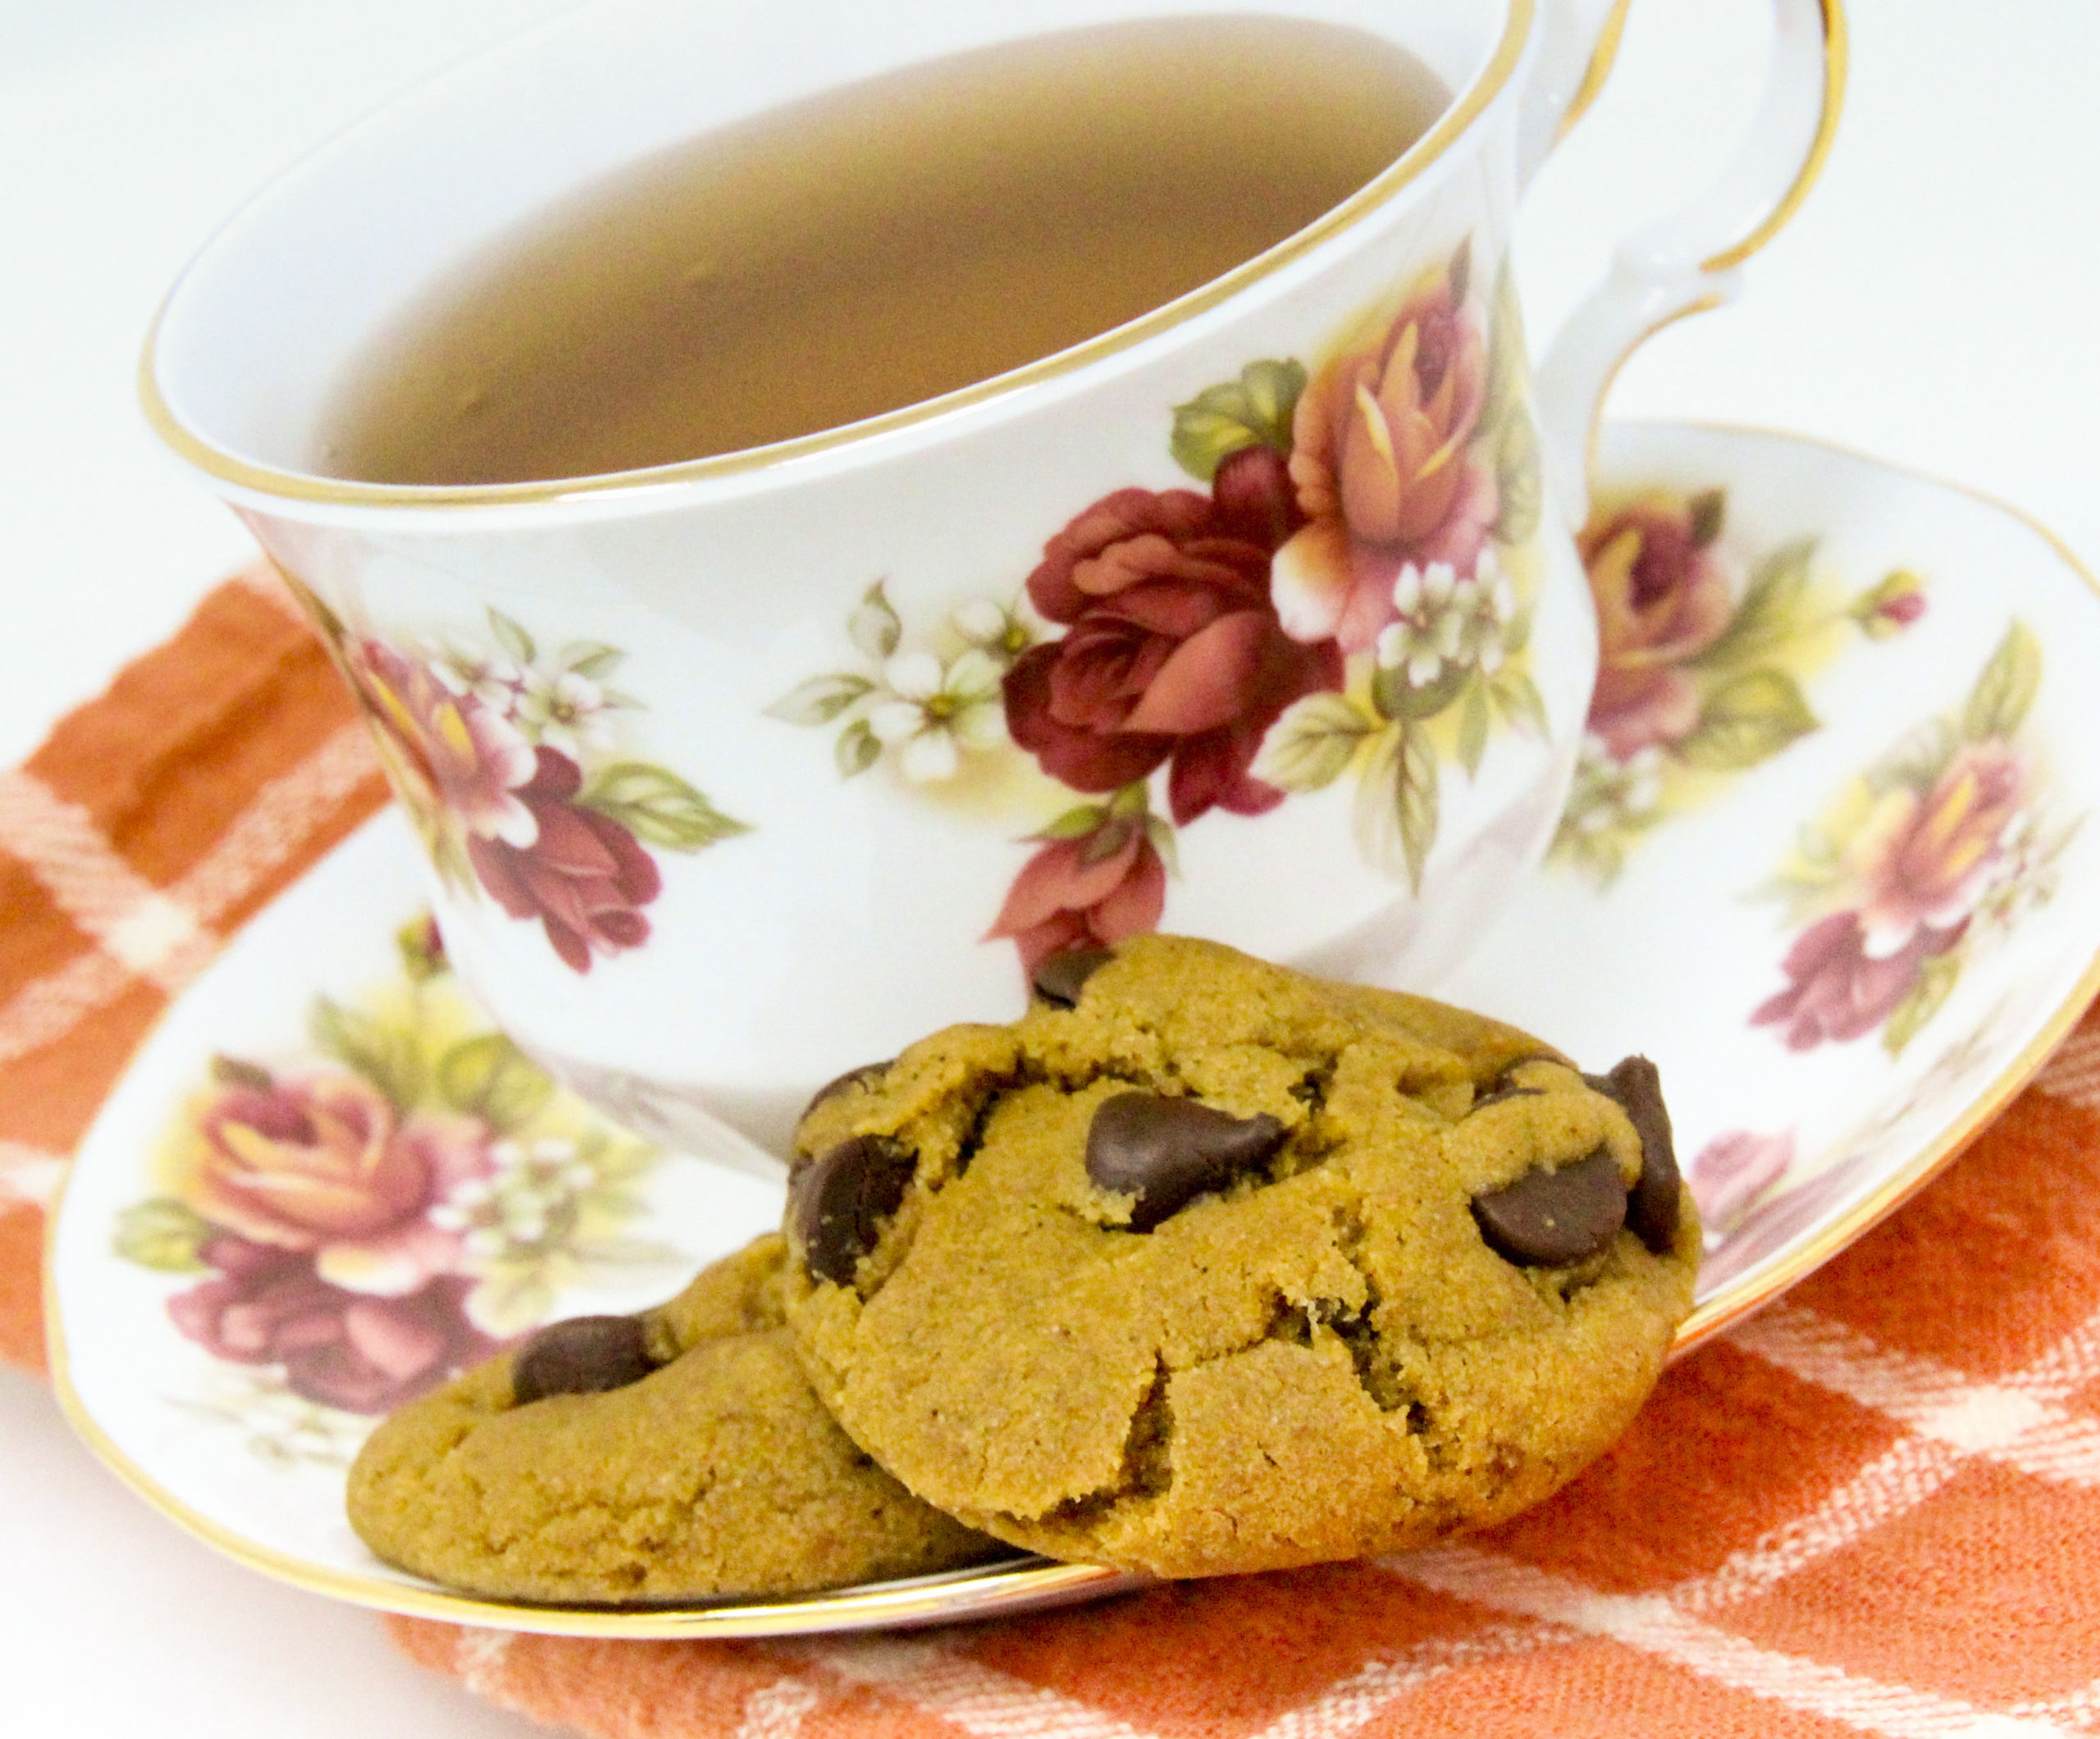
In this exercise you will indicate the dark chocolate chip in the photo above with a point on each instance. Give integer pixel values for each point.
(1062, 978)
(585, 1355)
(1167, 1151)
(1638, 1085)
(837, 1202)
(1547, 1218)
(866, 1076)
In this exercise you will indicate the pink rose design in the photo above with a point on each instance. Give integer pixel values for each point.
(1734, 1171)
(323, 1165)
(1836, 990)
(582, 874)
(1089, 892)
(1661, 599)
(1173, 653)
(1924, 861)
(450, 748)
(1381, 457)
(266, 1305)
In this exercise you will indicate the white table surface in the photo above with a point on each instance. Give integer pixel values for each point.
(1936, 303)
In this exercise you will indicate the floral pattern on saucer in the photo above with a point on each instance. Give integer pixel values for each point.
(1701, 662)
(1933, 853)
(507, 759)
(363, 1220)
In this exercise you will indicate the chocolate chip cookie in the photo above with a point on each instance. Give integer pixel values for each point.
(1205, 1266)
(675, 1455)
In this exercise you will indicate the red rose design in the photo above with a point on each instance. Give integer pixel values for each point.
(1088, 892)
(584, 876)
(1174, 652)
(340, 1348)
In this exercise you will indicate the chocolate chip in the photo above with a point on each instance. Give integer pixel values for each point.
(585, 1355)
(1546, 1218)
(1167, 1151)
(1062, 978)
(1638, 1085)
(837, 1202)
(866, 1076)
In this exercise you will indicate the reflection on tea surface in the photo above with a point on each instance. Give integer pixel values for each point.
(876, 246)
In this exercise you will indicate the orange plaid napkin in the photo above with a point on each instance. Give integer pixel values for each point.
(1876, 1509)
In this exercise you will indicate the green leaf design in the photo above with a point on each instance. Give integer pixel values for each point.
(1918, 761)
(1517, 698)
(858, 748)
(592, 659)
(1770, 611)
(1998, 704)
(1311, 746)
(1162, 836)
(1508, 366)
(1416, 792)
(1520, 477)
(1474, 720)
(820, 700)
(163, 1234)
(1254, 410)
(874, 627)
(1746, 720)
(1709, 514)
(1133, 799)
(658, 807)
(1459, 273)
(511, 636)
(491, 1078)
(1076, 823)
(1398, 699)
(387, 1057)
(234, 1071)
(1396, 803)
(1935, 984)
(1599, 853)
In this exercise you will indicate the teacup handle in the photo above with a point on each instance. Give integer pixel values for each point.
(1692, 260)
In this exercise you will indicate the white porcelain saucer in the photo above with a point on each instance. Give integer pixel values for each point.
(1827, 861)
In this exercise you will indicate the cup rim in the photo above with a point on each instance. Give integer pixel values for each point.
(267, 483)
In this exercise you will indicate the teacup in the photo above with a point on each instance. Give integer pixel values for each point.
(739, 773)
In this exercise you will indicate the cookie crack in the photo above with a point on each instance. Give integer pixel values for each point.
(1356, 1331)
(1146, 1472)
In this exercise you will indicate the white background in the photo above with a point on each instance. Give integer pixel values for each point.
(1937, 304)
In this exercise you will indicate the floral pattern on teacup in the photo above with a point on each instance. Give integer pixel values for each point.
(508, 759)
(930, 705)
(1350, 593)
(1701, 664)
(1932, 854)
(362, 1221)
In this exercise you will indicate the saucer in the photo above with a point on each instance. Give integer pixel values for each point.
(1822, 860)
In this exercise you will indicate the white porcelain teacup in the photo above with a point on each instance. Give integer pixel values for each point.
(737, 773)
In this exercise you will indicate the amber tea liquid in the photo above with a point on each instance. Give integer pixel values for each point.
(875, 246)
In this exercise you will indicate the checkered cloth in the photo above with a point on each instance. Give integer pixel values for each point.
(1876, 1509)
